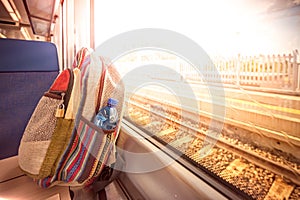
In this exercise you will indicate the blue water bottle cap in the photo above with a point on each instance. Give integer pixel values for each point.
(112, 101)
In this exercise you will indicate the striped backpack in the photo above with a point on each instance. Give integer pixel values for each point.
(61, 144)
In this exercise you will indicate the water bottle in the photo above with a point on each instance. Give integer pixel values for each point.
(107, 116)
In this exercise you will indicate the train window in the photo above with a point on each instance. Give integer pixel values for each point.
(238, 116)
(243, 155)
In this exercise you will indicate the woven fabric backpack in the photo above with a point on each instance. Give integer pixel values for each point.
(61, 144)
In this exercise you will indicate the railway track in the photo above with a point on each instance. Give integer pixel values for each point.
(257, 172)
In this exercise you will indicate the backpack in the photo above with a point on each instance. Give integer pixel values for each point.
(61, 144)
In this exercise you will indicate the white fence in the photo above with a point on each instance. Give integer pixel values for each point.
(280, 72)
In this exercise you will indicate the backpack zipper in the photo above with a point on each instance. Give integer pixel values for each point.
(102, 79)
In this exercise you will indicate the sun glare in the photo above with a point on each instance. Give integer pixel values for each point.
(223, 28)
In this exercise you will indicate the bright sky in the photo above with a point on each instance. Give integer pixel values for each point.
(221, 27)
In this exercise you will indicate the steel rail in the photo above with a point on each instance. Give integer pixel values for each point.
(266, 163)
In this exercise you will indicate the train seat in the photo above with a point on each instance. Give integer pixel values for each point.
(27, 70)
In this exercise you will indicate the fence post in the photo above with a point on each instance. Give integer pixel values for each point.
(296, 71)
(284, 71)
(290, 71)
(273, 69)
(238, 69)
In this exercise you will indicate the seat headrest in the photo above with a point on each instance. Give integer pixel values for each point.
(24, 55)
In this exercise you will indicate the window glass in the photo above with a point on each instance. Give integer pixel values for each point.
(238, 116)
